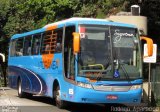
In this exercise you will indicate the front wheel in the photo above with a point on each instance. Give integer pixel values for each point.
(59, 103)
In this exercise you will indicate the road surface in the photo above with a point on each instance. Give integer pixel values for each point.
(10, 102)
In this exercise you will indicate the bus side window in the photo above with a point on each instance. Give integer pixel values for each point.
(49, 42)
(13, 48)
(36, 44)
(19, 47)
(47, 48)
(27, 46)
(59, 40)
(29, 51)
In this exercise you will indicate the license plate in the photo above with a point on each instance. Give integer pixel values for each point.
(112, 97)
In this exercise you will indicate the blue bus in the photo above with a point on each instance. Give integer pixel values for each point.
(82, 60)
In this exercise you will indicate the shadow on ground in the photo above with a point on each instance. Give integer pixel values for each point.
(76, 107)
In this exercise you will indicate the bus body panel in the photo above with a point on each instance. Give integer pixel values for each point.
(92, 96)
(35, 78)
(73, 93)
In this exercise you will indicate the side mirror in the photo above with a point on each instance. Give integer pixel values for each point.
(76, 42)
(149, 44)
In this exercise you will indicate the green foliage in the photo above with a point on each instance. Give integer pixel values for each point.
(151, 9)
(86, 11)
(4, 10)
(24, 15)
(28, 15)
(99, 8)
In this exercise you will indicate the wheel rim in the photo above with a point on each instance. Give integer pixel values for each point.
(58, 100)
(19, 88)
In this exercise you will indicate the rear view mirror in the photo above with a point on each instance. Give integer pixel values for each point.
(149, 44)
(76, 42)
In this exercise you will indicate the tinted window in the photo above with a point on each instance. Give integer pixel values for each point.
(19, 47)
(27, 46)
(13, 48)
(36, 44)
(59, 40)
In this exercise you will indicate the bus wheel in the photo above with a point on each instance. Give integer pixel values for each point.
(21, 94)
(59, 103)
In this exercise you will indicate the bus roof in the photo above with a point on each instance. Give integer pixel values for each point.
(71, 21)
(78, 20)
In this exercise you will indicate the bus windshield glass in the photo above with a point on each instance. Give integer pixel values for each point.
(109, 50)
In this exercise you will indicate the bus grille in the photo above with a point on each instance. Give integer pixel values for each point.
(112, 88)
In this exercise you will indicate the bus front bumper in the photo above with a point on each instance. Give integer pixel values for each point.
(84, 95)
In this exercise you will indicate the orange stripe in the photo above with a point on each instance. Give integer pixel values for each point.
(51, 27)
(47, 60)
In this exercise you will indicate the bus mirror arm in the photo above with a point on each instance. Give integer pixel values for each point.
(149, 44)
(76, 42)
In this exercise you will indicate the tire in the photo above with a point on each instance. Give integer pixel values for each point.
(59, 103)
(21, 94)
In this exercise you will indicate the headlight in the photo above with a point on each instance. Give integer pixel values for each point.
(84, 85)
(134, 87)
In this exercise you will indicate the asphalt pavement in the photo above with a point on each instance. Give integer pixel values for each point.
(10, 102)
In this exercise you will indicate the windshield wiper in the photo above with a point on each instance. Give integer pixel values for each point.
(107, 62)
(125, 72)
(115, 69)
(118, 63)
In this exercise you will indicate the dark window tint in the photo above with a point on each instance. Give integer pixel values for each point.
(36, 44)
(27, 46)
(59, 40)
(13, 48)
(19, 47)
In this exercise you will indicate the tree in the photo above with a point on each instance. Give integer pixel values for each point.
(4, 11)
(26, 15)
(151, 9)
(99, 8)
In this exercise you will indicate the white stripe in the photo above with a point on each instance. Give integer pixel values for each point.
(38, 80)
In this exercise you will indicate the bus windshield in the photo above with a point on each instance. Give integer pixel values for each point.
(109, 52)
